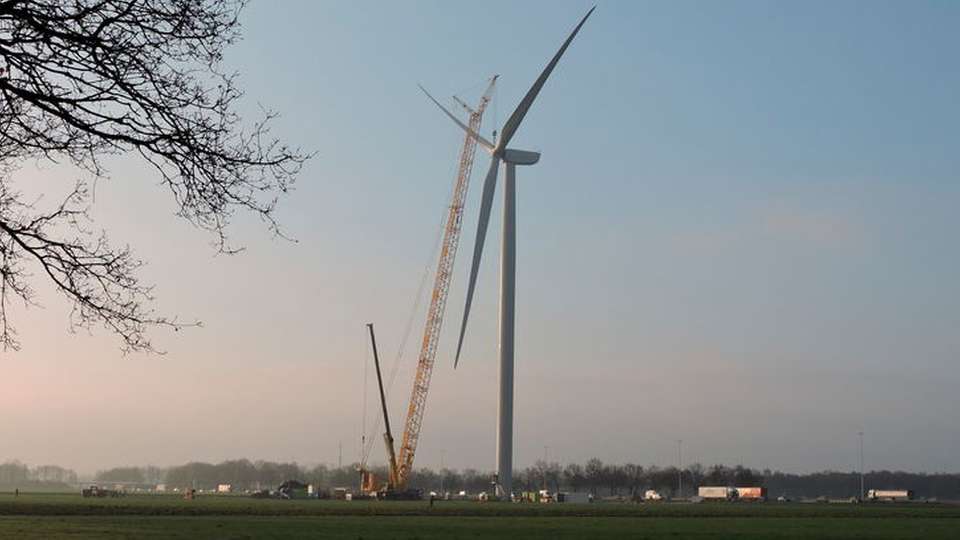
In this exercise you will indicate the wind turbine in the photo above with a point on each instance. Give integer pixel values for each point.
(510, 157)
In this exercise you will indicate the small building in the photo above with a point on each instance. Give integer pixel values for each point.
(224, 488)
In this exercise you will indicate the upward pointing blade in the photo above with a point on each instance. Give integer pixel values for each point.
(514, 121)
(483, 142)
(486, 203)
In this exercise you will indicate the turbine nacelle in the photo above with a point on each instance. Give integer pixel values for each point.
(520, 157)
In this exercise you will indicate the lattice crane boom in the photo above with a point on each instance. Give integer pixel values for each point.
(438, 298)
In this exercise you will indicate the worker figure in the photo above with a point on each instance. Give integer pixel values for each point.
(431, 500)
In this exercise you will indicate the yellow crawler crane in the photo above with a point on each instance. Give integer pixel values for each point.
(441, 289)
(401, 463)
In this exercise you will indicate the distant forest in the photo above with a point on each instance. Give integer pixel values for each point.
(594, 476)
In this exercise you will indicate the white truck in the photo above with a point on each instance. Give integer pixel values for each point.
(717, 493)
(889, 495)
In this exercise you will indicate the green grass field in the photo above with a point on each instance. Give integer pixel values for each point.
(70, 516)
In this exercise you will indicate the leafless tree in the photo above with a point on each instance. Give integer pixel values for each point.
(84, 79)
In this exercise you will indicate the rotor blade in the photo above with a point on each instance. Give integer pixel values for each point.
(513, 122)
(486, 202)
(483, 142)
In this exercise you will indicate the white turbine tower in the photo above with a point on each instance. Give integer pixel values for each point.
(508, 250)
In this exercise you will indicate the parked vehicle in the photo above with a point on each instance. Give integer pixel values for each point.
(97, 491)
(889, 495)
(716, 493)
(752, 493)
(575, 497)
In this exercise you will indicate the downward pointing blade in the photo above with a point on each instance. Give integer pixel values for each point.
(486, 203)
(514, 121)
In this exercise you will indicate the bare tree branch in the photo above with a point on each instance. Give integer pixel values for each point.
(83, 79)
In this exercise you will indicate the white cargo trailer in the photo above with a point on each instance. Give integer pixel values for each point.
(717, 493)
(889, 495)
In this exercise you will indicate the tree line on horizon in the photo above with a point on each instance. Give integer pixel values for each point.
(599, 478)
(19, 475)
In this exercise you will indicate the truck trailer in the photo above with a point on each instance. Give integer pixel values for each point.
(752, 493)
(716, 493)
(889, 495)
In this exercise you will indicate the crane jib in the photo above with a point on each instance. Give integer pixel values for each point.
(441, 288)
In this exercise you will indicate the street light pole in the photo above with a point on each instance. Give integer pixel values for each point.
(442, 473)
(679, 468)
(546, 451)
(861, 465)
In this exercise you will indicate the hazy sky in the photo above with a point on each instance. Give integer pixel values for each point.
(742, 234)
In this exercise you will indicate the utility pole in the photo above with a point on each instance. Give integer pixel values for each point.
(680, 468)
(546, 451)
(442, 473)
(340, 455)
(861, 464)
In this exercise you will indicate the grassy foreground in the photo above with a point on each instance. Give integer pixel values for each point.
(69, 516)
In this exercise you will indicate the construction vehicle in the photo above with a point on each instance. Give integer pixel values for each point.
(400, 465)
(392, 489)
(97, 491)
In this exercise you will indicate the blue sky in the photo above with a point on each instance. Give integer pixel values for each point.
(741, 233)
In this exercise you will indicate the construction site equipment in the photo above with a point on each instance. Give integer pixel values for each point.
(97, 491)
(401, 464)
(388, 435)
(441, 289)
(392, 490)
